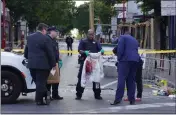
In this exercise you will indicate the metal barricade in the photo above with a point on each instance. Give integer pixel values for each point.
(156, 69)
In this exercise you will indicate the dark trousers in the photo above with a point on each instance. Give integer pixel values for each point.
(54, 88)
(40, 78)
(80, 90)
(139, 83)
(126, 73)
(69, 47)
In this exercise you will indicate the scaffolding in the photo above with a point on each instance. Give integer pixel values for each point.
(143, 32)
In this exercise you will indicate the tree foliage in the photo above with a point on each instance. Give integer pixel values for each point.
(52, 12)
(81, 20)
(110, 2)
(149, 5)
(101, 10)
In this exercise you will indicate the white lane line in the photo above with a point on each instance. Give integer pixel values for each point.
(129, 107)
(108, 84)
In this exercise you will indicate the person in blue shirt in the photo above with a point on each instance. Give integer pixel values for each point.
(138, 77)
(128, 58)
(52, 35)
(85, 46)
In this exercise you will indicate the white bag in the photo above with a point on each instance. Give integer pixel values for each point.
(97, 71)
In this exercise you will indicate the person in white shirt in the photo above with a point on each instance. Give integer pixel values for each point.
(114, 39)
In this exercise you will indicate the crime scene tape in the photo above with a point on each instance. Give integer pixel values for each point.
(110, 52)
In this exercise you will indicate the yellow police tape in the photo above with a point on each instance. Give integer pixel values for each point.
(110, 52)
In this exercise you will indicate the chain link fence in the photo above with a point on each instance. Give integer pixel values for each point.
(159, 67)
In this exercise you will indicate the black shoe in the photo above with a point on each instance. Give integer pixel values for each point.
(51, 98)
(99, 98)
(78, 98)
(132, 102)
(40, 103)
(57, 97)
(48, 98)
(115, 102)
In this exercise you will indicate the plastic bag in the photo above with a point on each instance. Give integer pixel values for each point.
(92, 69)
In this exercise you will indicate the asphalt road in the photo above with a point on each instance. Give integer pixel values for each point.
(149, 104)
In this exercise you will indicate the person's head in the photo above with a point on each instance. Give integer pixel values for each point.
(90, 34)
(126, 30)
(52, 32)
(99, 21)
(42, 28)
(113, 36)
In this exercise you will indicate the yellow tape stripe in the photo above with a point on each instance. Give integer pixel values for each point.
(110, 52)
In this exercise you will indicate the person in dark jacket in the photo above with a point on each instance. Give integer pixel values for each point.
(52, 35)
(128, 59)
(41, 60)
(85, 46)
(138, 77)
(69, 41)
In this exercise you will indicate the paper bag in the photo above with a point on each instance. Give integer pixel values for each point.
(54, 78)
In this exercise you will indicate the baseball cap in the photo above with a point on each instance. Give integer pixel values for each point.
(53, 28)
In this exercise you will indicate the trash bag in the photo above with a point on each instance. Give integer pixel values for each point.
(92, 69)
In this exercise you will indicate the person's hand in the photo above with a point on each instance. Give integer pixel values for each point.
(87, 53)
(60, 63)
(54, 68)
(102, 51)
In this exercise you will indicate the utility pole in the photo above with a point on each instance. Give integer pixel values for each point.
(3, 32)
(124, 9)
(91, 14)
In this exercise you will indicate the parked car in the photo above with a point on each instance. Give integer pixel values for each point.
(15, 77)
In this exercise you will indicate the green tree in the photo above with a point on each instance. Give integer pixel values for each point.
(81, 20)
(149, 5)
(160, 22)
(101, 10)
(51, 12)
(110, 2)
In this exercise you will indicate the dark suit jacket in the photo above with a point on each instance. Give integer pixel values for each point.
(39, 52)
(55, 48)
(128, 49)
(69, 40)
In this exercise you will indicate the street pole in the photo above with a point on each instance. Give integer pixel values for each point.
(3, 32)
(91, 14)
(124, 1)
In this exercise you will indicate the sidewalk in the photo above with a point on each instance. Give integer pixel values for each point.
(160, 69)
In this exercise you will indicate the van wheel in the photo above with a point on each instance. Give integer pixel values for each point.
(11, 87)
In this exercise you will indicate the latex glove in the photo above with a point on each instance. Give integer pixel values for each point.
(60, 63)
(87, 53)
(102, 51)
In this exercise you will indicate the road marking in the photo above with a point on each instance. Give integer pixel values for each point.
(129, 107)
(145, 85)
(108, 84)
